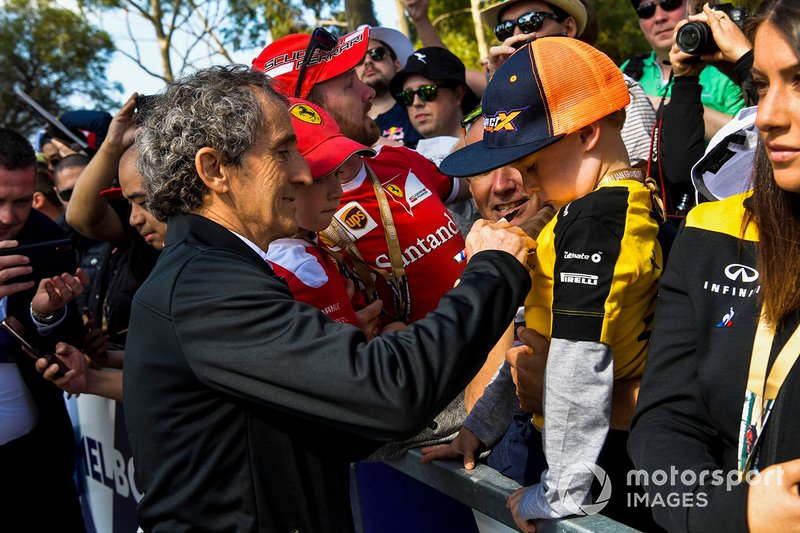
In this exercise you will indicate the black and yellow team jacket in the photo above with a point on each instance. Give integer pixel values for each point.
(596, 272)
(690, 403)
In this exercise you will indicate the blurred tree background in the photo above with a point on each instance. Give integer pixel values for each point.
(50, 53)
(619, 35)
(53, 53)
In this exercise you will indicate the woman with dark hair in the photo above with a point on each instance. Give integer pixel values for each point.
(716, 435)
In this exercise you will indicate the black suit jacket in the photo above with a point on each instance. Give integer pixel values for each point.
(245, 407)
(54, 429)
(49, 398)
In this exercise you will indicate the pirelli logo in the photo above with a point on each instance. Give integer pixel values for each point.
(580, 279)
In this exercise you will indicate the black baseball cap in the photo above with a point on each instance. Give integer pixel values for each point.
(438, 65)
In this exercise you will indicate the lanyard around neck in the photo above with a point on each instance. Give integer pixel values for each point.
(641, 176)
(634, 174)
(389, 229)
(397, 279)
(767, 387)
(763, 389)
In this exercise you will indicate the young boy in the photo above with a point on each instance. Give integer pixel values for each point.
(596, 266)
(312, 274)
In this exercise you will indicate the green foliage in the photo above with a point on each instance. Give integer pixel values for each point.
(619, 36)
(52, 54)
(456, 29)
(252, 20)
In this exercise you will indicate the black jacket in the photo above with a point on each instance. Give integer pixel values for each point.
(690, 405)
(49, 398)
(245, 407)
(54, 429)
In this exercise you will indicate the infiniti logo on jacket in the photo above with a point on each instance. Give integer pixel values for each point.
(737, 272)
(743, 275)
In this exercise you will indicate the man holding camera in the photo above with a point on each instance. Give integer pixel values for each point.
(682, 139)
(658, 20)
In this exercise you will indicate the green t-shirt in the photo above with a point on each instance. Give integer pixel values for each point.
(719, 91)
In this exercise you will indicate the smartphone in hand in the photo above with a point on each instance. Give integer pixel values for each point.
(30, 342)
(47, 259)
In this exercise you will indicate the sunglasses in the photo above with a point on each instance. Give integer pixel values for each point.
(378, 53)
(426, 93)
(527, 23)
(321, 39)
(64, 194)
(469, 118)
(648, 9)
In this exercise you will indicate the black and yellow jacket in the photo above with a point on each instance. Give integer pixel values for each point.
(596, 273)
(690, 403)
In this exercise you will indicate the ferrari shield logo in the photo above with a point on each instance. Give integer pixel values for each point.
(305, 113)
(394, 189)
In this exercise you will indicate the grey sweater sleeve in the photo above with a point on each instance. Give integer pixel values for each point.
(491, 414)
(579, 381)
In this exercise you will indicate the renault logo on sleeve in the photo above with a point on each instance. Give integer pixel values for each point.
(743, 273)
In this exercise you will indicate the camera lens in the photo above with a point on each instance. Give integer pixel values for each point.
(695, 38)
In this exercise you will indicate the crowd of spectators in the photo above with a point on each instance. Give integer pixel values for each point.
(353, 247)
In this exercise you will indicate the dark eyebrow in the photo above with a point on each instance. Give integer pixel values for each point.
(788, 69)
(136, 196)
(288, 138)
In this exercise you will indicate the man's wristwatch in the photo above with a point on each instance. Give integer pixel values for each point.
(48, 319)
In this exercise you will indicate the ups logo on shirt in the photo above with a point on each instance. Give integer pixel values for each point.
(355, 218)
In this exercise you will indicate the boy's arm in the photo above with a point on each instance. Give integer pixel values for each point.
(579, 382)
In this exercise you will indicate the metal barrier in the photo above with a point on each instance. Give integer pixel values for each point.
(486, 490)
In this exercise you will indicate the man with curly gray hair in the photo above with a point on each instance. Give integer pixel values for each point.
(245, 407)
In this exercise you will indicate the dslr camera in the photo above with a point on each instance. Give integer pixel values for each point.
(695, 37)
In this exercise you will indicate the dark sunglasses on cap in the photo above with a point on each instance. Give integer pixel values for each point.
(321, 39)
(426, 93)
(64, 194)
(527, 23)
(648, 9)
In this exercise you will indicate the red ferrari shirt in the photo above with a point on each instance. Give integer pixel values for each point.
(427, 234)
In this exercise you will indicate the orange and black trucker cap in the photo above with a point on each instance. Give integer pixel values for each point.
(546, 90)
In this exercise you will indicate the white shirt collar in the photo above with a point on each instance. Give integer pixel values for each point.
(356, 182)
(252, 245)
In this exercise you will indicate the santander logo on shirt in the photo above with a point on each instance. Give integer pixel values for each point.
(424, 245)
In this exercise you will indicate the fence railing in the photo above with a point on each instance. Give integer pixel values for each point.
(486, 490)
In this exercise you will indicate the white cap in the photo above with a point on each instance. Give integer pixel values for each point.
(726, 167)
(399, 43)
